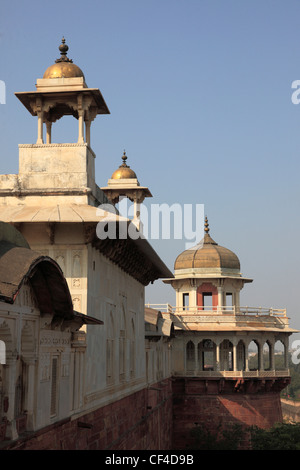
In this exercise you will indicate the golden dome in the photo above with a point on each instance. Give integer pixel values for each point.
(207, 254)
(63, 67)
(124, 171)
(63, 70)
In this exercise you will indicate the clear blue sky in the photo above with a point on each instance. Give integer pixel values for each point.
(200, 98)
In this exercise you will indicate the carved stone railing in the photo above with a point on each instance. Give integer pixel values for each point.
(219, 310)
(235, 373)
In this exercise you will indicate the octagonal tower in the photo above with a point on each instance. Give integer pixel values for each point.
(216, 379)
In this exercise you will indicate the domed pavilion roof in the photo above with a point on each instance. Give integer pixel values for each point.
(124, 171)
(63, 67)
(208, 256)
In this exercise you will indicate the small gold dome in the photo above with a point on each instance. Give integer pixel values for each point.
(63, 67)
(207, 254)
(63, 70)
(124, 171)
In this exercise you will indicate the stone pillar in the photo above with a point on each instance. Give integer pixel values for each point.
(220, 297)
(88, 132)
(79, 347)
(80, 127)
(10, 377)
(196, 359)
(246, 356)
(234, 356)
(178, 300)
(237, 301)
(30, 392)
(40, 128)
(217, 365)
(260, 356)
(193, 300)
(38, 108)
(49, 127)
(80, 119)
(286, 352)
(200, 357)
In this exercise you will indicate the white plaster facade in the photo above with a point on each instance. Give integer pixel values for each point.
(53, 202)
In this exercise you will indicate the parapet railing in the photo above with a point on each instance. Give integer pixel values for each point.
(219, 310)
(236, 373)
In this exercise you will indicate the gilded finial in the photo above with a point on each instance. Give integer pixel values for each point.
(206, 225)
(124, 158)
(63, 52)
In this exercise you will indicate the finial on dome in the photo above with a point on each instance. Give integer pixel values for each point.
(124, 158)
(206, 225)
(63, 52)
(207, 240)
(124, 171)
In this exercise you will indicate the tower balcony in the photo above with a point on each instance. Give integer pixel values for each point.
(225, 317)
(219, 310)
(218, 342)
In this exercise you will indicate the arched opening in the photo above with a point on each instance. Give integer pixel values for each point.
(253, 355)
(267, 355)
(279, 355)
(207, 354)
(226, 355)
(190, 356)
(63, 130)
(241, 356)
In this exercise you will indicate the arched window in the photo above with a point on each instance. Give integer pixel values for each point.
(279, 354)
(226, 355)
(207, 354)
(241, 356)
(190, 356)
(267, 355)
(253, 354)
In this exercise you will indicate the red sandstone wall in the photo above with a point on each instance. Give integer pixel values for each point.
(162, 416)
(193, 404)
(141, 421)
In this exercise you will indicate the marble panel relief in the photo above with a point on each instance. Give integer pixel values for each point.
(60, 258)
(77, 303)
(65, 364)
(76, 271)
(44, 367)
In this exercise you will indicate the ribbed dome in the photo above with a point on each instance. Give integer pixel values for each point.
(207, 254)
(124, 171)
